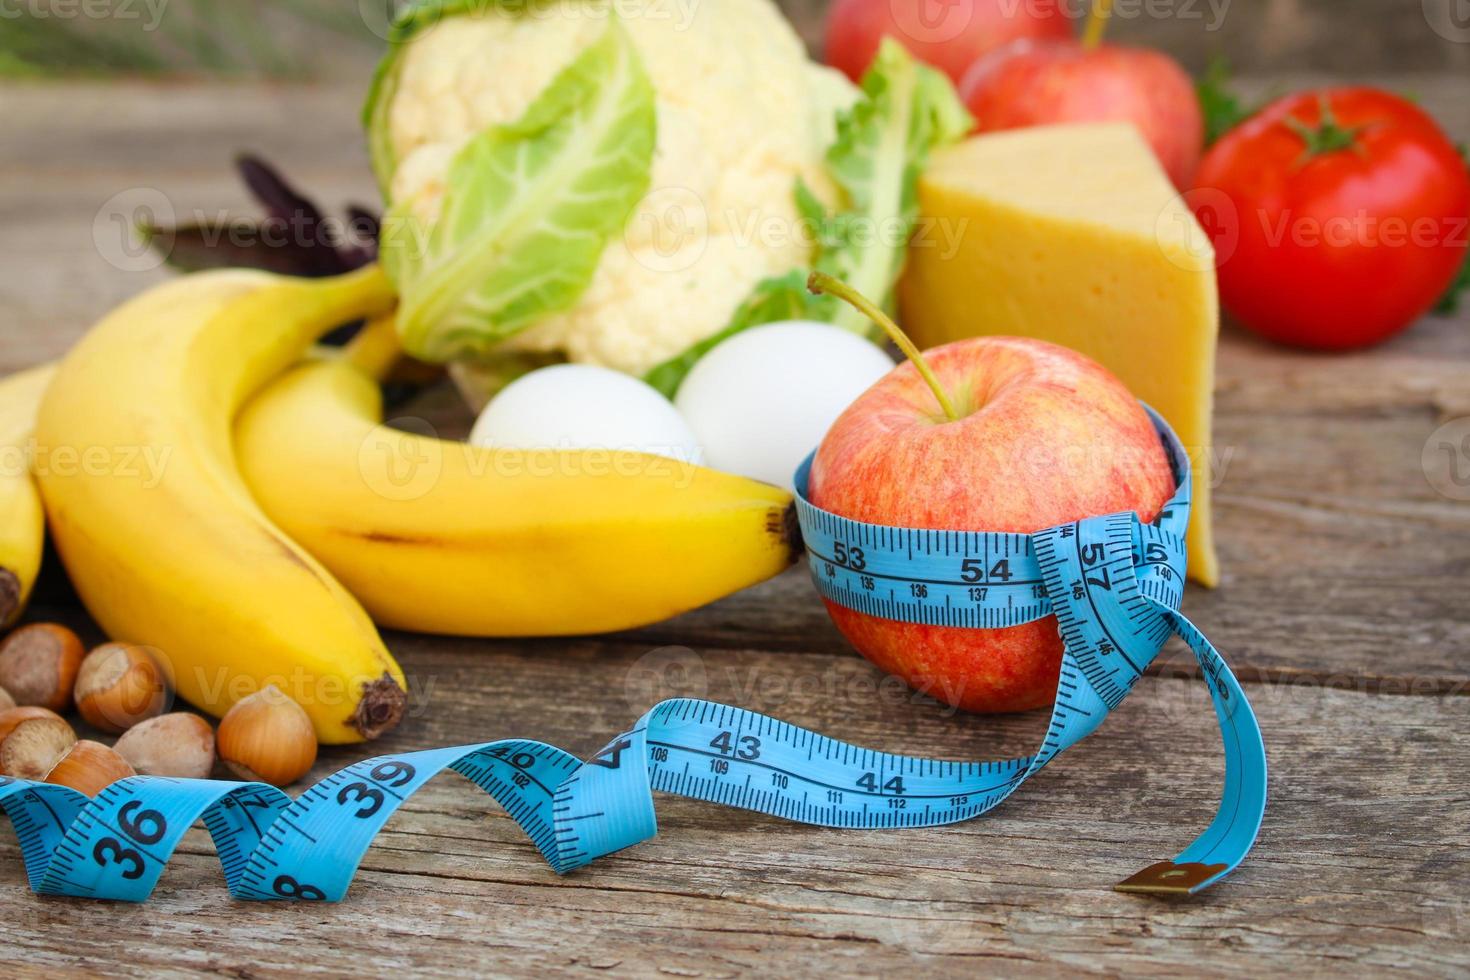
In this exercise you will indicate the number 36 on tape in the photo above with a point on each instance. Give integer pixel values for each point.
(1113, 583)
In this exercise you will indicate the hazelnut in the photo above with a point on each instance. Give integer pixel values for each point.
(267, 738)
(89, 768)
(177, 744)
(31, 740)
(119, 685)
(39, 663)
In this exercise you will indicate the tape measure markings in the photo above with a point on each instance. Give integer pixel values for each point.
(1113, 583)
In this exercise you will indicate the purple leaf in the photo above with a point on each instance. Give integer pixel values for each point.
(238, 245)
(296, 222)
(292, 238)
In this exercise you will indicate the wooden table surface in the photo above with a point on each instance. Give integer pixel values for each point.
(1344, 607)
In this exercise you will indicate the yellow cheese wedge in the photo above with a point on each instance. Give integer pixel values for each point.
(1073, 234)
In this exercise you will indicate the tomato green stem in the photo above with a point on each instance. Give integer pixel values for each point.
(1327, 136)
(820, 282)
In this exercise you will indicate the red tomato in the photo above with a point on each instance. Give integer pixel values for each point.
(1339, 217)
(948, 34)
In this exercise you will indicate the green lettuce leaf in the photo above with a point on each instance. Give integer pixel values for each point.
(777, 298)
(882, 146)
(1450, 302)
(412, 20)
(481, 379)
(375, 119)
(1221, 107)
(528, 210)
(883, 142)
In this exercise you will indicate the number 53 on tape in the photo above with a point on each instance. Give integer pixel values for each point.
(1113, 583)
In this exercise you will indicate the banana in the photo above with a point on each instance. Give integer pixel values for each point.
(22, 520)
(443, 537)
(151, 518)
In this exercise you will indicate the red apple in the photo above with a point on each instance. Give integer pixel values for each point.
(1043, 436)
(1034, 83)
(948, 34)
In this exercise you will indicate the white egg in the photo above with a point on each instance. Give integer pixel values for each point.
(762, 400)
(579, 406)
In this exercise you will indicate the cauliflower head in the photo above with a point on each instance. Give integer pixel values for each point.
(740, 116)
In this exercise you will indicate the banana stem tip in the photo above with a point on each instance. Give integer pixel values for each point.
(9, 595)
(381, 708)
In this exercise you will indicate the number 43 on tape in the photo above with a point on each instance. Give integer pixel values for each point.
(1113, 583)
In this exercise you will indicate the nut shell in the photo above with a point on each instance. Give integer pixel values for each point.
(39, 664)
(119, 685)
(89, 767)
(32, 739)
(178, 744)
(267, 738)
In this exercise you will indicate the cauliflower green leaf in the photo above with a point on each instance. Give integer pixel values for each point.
(882, 146)
(883, 143)
(375, 120)
(413, 19)
(528, 208)
(773, 299)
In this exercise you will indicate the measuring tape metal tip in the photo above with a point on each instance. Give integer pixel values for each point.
(1113, 583)
(1171, 878)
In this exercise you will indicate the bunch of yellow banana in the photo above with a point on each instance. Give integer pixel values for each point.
(147, 509)
(22, 522)
(444, 537)
(213, 495)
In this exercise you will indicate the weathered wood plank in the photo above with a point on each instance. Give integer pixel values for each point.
(1263, 36)
(1345, 575)
(79, 150)
(1362, 858)
(1341, 562)
(84, 161)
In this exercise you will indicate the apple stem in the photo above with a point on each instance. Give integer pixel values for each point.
(1097, 23)
(820, 283)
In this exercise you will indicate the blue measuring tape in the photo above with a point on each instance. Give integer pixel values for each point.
(1113, 583)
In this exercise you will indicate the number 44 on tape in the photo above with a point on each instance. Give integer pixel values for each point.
(1113, 583)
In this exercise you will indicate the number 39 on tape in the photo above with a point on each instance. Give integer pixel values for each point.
(1113, 583)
